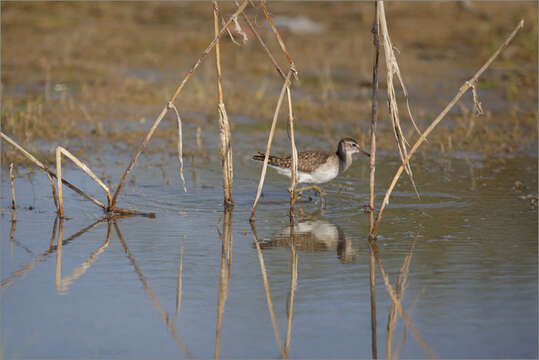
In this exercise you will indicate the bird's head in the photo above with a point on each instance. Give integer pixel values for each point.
(350, 146)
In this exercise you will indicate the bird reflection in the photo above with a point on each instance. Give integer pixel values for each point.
(315, 235)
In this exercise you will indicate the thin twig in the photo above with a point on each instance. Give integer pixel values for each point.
(268, 147)
(467, 85)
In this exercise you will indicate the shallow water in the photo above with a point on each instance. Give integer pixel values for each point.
(471, 287)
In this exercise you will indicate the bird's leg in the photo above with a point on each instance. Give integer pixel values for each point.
(318, 189)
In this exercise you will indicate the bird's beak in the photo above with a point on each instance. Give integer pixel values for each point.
(366, 153)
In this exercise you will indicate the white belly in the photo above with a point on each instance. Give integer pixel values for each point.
(321, 175)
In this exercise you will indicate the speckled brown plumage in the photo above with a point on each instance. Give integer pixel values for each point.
(307, 160)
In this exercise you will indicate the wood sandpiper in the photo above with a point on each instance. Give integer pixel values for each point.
(316, 167)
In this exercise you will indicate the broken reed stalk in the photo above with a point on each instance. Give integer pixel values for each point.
(49, 172)
(392, 68)
(268, 147)
(467, 85)
(294, 167)
(173, 98)
(372, 159)
(11, 177)
(224, 125)
(180, 143)
(59, 151)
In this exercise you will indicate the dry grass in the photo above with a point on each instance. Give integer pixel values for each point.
(76, 92)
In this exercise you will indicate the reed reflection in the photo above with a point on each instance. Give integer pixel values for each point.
(20, 273)
(168, 320)
(62, 285)
(396, 293)
(224, 273)
(314, 235)
(267, 290)
(292, 240)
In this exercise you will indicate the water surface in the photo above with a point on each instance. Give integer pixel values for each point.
(112, 291)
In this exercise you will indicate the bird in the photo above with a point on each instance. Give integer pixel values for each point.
(316, 167)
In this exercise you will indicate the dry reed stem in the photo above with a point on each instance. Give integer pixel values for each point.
(224, 125)
(49, 171)
(11, 177)
(226, 151)
(151, 294)
(43, 256)
(53, 189)
(262, 43)
(392, 68)
(165, 109)
(372, 159)
(372, 288)
(467, 85)
(179, 283)
(397, 303)
(59, 151)
(180, 143)
(81, 269)
(291, 63)
(268, 147)
(294, 152)
(267, 290)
